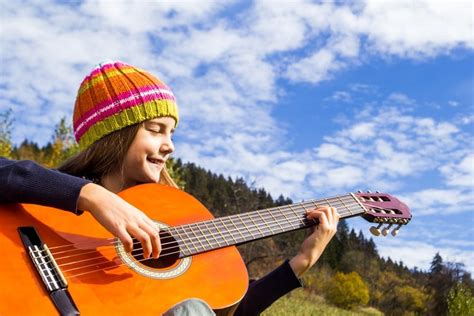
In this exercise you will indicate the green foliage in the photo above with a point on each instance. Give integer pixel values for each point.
(408, 300)
(347, 290)
(443, 277)
(54, 153)
(460, 301)
(301, 302)
(175, 170)
(63, 145)
(317, 280)
(5, 134)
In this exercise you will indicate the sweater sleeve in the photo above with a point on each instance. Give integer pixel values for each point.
(264, 291)
(27, 182)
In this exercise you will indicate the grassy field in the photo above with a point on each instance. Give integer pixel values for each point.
(301, 302)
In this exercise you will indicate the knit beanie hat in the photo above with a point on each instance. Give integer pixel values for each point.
(115, 95)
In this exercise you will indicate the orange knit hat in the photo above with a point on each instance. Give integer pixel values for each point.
(115, 95)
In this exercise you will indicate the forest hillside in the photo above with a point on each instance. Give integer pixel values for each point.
(350, 274)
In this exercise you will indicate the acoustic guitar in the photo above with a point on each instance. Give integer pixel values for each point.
(53, 261)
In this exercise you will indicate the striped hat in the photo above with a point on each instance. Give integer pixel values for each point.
(115, 95)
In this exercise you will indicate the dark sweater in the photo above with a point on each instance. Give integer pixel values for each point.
(28, 182)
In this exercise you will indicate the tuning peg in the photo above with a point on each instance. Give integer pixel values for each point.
(359, 191)
(395, 231)
(368, 191)
(377, 191)
(376, 230)
(386, 229)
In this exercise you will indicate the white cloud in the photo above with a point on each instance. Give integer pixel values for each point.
(233, 63)
(399, 99)
(315, 68)
(453, 103)
(363, 88)
(362, 131)
(342, 96)
(423, 28)
(460, 174)
(403, 250)
(227, 72)
(444, 202)
(334, 152)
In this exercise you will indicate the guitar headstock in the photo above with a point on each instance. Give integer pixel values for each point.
(384, 209)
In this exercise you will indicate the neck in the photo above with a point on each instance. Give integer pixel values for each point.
(241, 228)
(113, 182)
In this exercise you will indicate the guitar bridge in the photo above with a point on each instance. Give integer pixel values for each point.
(53, 280)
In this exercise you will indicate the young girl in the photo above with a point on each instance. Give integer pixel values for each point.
(124, 119)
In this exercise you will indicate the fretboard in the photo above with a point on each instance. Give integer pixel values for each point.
(237, 229)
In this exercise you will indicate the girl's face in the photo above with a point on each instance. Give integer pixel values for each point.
(148, 152)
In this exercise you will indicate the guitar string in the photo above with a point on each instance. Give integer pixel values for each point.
(111, 267)
(106, 242)
(285, 208)
(214, 230)
(163, 255)
(222, 236)
(219, 221)
(177, 246)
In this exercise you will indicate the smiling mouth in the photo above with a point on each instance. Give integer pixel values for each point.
(156, 161)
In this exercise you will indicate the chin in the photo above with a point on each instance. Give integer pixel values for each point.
(154, 179)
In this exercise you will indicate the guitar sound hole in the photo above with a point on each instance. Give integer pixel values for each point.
(169, 252)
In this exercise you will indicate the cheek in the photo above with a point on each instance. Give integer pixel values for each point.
(138, 152)
(133, 157)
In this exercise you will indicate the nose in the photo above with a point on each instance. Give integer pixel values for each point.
(167, 147)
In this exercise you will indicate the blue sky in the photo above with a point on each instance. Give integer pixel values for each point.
(306, 99)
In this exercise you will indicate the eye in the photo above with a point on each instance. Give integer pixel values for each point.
(154, 130)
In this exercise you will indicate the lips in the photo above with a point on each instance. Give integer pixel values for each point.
(157, 161)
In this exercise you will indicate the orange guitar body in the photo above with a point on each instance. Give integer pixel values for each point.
(218, 277)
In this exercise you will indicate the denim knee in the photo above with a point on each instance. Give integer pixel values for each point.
(190, 307)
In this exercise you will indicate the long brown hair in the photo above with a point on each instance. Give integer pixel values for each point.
(105, 156)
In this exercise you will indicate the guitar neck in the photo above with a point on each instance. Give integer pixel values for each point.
(241, 228)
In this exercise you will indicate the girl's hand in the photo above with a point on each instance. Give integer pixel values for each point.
(120, 218)
(320, 235)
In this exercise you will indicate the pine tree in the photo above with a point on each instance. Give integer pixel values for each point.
(440, 281)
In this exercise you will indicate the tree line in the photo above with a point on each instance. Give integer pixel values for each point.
(350, 272)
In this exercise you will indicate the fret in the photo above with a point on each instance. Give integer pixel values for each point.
(265, 222)
(286, 218)
(304, 207)
(344, 205)
(329, 204)
(297, 216)
(256, 225)
(205, 237)
(276, 221)
(228, 231)
(218, 230)
(314, 203)
(245, 226)
(313, 221)
(188, 240)
(173, 232)
(212, 233)
(243, 237)
(196, 237)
